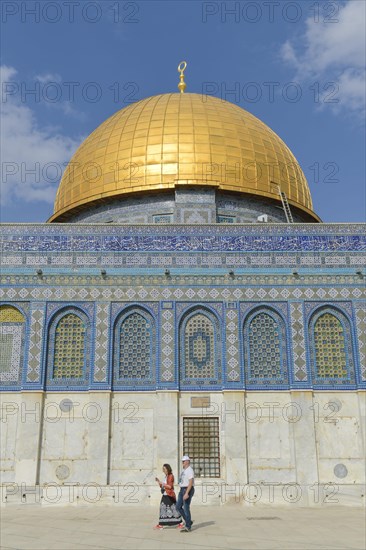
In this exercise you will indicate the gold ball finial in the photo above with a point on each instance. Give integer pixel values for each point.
(181, 68)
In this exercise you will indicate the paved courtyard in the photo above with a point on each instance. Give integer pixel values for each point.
(233, 527)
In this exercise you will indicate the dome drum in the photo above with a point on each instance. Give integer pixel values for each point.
(184, 205)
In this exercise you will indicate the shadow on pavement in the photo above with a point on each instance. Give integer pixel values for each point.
(204, 524)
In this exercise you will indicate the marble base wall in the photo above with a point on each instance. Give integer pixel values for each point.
(299, 448)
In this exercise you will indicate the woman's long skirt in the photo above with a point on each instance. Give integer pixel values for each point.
(168, 512)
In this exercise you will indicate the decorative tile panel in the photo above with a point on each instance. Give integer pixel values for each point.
(36, 341)
(361, 334)
(299, 238)
(232, 342)
(298, 342)
(101, 342)
(167, 370)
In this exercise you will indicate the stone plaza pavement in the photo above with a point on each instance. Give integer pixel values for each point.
(233, 527)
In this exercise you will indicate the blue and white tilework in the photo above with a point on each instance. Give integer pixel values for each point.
(225, 270)
(360, 310)
(36, 342)
(298, 342)
(233, 370)
(102, 327)
(167, 369)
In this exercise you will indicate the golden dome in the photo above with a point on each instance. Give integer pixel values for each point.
(180, 139)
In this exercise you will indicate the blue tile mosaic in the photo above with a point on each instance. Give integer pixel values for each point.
(223, 274)
(175, 238)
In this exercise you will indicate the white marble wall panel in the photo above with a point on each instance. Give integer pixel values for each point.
(339, 438)
(75, 442)
(271, 446)
(133, 444)
(27, 435)
(10, 410)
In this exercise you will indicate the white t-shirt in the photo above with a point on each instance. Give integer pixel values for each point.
(185, 476)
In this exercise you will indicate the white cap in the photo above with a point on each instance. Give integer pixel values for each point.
(185, 458)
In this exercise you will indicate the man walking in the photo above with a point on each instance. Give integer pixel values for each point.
(186, 483)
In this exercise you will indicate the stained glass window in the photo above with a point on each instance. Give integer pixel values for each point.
(12, 324)
(199, 347)
(69, 349)
(330, 348)
(264, 347)
(10, 314)
(135, 346)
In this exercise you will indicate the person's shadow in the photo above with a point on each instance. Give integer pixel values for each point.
(203, 524)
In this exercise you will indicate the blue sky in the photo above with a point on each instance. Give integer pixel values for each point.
(298, 66)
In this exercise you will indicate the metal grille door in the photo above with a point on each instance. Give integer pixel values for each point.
(201, 443)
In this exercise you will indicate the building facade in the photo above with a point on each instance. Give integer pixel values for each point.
(183, 299)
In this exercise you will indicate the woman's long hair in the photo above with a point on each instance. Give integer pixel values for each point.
(168, 467)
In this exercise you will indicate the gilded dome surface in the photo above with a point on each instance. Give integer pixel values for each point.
(173, 140)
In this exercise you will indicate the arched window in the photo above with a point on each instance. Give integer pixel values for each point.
(331, 347)
(200, 347)
(265, 349)
(68, 348)
(135, 345)
(12, 334)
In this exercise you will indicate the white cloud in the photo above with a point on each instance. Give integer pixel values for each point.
(334, 52)
(45, 78)
(64, 105)
(32, 157)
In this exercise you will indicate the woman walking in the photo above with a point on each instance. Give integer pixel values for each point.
(168, 513)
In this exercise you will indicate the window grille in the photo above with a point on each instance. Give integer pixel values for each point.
(135, 347)
(330, 348)
(69, 355)
(201, 443)
(225, 219)
(162, 218)
(199, 347)
(264, 347)
(12, 325)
